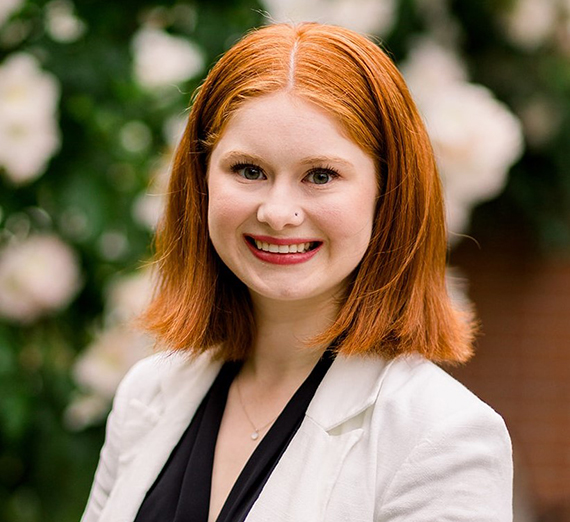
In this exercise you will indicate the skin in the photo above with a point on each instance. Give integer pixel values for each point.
(285, 171)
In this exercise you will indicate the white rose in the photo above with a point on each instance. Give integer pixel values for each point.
(161, 59)
(26, 90)
(149, 206)
(26, 147)
(29, 134)
(7, 8)
(62, 24)
(368, 16)
(431, 67)
(530, 23)
(129, 295)
(37, 276)
(476, 138)
(100, 368)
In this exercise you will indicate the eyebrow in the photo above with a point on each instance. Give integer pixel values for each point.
(238, 154)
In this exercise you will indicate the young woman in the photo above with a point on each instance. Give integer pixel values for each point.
(302, 295)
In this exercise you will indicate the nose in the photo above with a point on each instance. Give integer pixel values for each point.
(280, 209)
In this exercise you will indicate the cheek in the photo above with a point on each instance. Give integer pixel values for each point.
(219, 210)
(228, 209)
(221, 221)
(351, 219)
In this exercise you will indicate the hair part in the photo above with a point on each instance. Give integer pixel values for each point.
(396, 302)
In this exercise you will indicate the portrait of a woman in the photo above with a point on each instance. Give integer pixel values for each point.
(303, 308)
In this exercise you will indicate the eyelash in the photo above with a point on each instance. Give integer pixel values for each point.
(331, 171)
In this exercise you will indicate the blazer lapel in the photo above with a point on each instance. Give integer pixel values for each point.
(152, 432)
(301, 484)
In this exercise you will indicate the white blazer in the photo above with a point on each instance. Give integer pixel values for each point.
(381, 441)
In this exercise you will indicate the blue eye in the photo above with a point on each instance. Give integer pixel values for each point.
(321, 176)
(250, 172)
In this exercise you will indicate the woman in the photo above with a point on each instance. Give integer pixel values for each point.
(302, 295)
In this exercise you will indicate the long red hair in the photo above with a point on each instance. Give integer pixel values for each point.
(397, 301)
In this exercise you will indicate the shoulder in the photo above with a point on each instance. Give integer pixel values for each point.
(419, 398)
(428, 449)
(438, 430)
(420, 387)
(160, 374)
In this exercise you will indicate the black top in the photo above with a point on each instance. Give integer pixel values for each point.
(181, 493)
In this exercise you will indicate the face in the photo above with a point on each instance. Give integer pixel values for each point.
(291, 199)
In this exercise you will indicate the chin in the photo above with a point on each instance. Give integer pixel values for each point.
(287, 294)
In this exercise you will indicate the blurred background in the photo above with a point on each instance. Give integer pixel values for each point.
(93, 96)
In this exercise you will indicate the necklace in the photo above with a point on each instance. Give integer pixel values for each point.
(255, 433)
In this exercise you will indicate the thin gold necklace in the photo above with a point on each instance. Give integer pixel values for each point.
(255, 433)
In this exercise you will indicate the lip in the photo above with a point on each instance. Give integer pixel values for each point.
(283, 240)
(282, 259)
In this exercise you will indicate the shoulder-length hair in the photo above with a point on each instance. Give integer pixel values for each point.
(396, 302)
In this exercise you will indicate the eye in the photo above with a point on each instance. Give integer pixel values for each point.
(247, 171)
(321, 176)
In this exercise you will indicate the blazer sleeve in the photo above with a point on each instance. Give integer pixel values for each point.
(107, 469)
(460, 471)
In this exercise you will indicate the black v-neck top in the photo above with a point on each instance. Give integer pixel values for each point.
(181, 493)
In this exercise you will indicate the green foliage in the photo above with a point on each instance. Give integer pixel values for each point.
(112, 143)
(536, 201)
(88, 191)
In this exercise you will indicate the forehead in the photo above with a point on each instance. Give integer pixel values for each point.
(289, 124)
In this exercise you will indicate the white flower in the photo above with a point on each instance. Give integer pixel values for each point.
(148, 207)
(431, 67)
(29, 135)
(25, 149)
(366, 16)
(26, 92)
(129, 295)
(173, 129)
(100, 368)
(476, 140)
(61, 22)
(7, 8)
(105, 362)
(529, 23)
(37, 276)
(161, 59)
(475, 137)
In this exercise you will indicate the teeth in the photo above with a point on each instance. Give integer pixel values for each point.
(283, 249)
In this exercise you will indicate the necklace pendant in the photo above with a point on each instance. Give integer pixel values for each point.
(255, 435)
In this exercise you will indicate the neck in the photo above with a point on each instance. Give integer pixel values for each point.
(280, 352)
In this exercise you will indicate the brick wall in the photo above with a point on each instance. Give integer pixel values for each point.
(522, 362)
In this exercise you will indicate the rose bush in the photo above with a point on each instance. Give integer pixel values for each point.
(91, 99)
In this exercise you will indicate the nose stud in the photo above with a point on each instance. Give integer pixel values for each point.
(296, 214)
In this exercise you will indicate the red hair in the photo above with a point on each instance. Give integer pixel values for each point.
(397, 301)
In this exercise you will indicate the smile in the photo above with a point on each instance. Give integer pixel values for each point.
(282, 251)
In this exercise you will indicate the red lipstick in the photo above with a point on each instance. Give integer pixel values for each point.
(282, 259)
